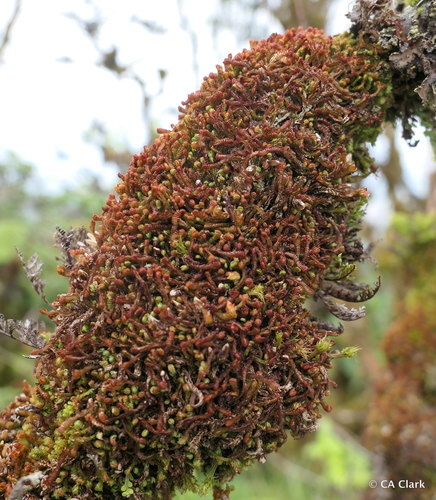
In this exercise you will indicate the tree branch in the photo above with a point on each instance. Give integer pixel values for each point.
(9, 27)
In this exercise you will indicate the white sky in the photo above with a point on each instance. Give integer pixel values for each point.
(46, 106)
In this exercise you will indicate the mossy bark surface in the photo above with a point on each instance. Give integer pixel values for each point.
(183, 350)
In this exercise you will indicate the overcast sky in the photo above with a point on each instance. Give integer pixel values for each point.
(47, 104)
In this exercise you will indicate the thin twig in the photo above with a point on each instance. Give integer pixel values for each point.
(300, 14)
(9, 27)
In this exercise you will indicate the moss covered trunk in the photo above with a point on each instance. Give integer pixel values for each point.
(183, 350)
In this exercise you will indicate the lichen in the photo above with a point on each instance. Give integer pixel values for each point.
(183, 351)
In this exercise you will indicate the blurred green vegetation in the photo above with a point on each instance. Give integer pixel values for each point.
(28, 220)
(401, 418)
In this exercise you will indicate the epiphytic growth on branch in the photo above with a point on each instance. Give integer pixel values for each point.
(183, 350)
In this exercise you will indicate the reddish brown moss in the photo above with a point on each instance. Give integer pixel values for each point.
(183, 345)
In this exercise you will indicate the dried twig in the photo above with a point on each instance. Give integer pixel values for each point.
(26, 332)
(33, 268)
(9, 27)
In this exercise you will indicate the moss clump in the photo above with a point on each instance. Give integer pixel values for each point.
(183, 351)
